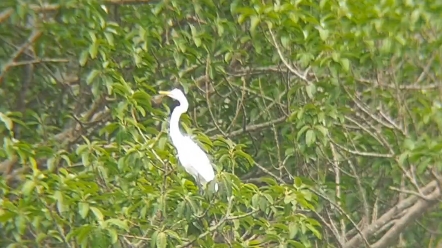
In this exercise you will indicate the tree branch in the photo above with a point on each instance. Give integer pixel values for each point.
(256, 127)
(412, 214)
(286, 63)
(391, 214)
(32, 38)
(37, 61)
(213, 228)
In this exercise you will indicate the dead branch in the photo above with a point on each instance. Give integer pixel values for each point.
(414, 207)
(412, 214)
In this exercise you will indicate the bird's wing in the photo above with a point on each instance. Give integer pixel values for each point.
(195, 160)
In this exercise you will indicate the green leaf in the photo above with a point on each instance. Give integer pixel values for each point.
(314, 230)
(80, 234)
(255, 200)
(119, 223)
(269, 198)
(403, 157)
(285, 42)
(246, 156)
(83, 208)
(301, 132)
(83, 57)
(66, 159)
(162, 240)
(345, 64)
(197, 41)
(7, 121)
(322, 129)
(93, 50)
(293, 230)
(113, 234)
(110, 38)
(61, 206)
(142, 98)
(173, 234)
(154, 237)
(310, 137)
(323, 33)
(296, 244)
(97, 213)
(254, 21)
(311, 90)
(85, 159)
(228, 57)
(92, 75)
(28, 187)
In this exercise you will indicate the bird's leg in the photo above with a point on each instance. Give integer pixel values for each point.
(200, 186)
(200, 189)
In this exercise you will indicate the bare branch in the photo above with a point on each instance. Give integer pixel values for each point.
(323, 196)
(37, 61)
(239, 105)
(256, 127)
(32, 38)
(51, 7)
(286, 63)
(386, 218)
(365, 154)
(411, 193)
(401, 87)
(411, 215)
(361, 191)
(338, 187)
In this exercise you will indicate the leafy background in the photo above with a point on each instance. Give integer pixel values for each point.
(322, 119)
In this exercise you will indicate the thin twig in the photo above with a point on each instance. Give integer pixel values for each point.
(256, 127)
(365, 154)
(240, 103)
(37, 61)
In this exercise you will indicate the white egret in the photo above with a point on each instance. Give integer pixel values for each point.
(191, 156)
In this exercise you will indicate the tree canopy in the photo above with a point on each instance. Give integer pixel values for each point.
(323, 120)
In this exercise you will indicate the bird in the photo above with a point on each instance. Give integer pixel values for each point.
(194, 160)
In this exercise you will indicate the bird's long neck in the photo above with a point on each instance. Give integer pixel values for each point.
(175, 132)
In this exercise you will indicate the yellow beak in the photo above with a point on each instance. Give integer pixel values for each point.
(164, 93)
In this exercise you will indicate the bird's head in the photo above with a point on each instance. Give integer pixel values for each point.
(176, 94)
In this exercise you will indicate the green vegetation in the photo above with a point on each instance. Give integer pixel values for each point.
(322, 118)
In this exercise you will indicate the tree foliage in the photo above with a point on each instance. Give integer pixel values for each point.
(322, 119)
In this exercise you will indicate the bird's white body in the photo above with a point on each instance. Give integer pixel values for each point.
(197, 164)
(191, 156)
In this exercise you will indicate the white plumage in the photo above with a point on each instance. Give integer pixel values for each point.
(191, 156)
